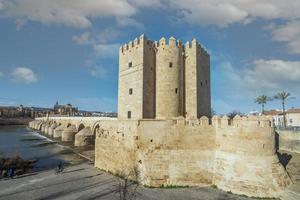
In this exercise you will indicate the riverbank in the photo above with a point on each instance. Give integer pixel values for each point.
(14, 121)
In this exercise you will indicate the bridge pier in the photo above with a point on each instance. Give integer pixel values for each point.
(68, 135)
(47, 129)
(84, 137)
(51, 129)
(43, 127)
(58, 131)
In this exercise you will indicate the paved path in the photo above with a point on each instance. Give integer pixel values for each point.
(83, 181)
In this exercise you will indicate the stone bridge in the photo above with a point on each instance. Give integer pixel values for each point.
(80, 130)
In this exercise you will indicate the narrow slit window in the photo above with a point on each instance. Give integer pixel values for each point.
(130, 91)
(176, 90)
(129, 114)
(130, 64)
(170, 65)
(201, 84)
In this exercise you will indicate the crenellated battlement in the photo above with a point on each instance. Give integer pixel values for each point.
(163, 42)
(224, 121)
(245, 121)
(137, 42)
(195, 45)
(172, 42)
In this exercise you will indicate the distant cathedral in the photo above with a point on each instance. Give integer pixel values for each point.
(68, 109)
(163, 79)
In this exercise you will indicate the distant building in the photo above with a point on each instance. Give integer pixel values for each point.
(67, 109)
(277, 116)
(293, 117)
(21, 111)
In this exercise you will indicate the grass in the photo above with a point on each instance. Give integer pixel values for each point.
(173, 186)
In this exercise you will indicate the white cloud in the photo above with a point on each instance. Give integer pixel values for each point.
(101, 50)
(223, 13)
(126, 21)
(109, 34)
(106, 50)
(263, 77)
(98, 71)
(1, 74)
(83, 39)
(288, 33)
(23, 75)
(146, 3)
(75, 13)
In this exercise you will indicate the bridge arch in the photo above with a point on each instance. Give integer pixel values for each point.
(95, 127)
(80, 127)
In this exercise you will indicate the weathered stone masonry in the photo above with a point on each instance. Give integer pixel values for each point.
(163, 79)
(159, 130)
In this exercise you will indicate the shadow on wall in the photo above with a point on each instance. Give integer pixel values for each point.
(276, 141)
(284, 158)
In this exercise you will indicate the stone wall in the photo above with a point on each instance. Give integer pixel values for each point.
(246, 162)
(174, 152)
(237, 156)
(115, 148)
(289, 140)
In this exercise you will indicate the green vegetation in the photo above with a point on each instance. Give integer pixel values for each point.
(262, 100)
(173, 186)
(283, 96)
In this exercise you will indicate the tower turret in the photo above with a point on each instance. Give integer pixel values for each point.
(169, 66)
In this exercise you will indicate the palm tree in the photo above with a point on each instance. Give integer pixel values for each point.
(262, 99)
(282, 96)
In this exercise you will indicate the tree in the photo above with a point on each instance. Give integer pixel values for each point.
(283, 96)
(262, 100)
(232, 114)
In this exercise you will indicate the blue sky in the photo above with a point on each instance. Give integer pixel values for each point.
(68, 50)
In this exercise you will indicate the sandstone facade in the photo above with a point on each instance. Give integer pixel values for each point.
(163, 79)
(163, 131)
(235, 155)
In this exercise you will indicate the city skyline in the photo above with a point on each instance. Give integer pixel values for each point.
(71, 55)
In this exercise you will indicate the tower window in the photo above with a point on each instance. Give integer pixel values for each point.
(176, 90)
(130, 91)
(201, 83)
(129, 114)
(206, 82)
(170, 65)
(130, 64)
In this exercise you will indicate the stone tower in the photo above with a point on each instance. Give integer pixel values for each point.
(136, 98)
(169, 66)
(163, 79)
(197, 81)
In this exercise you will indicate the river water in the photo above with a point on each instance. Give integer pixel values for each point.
(22, 141)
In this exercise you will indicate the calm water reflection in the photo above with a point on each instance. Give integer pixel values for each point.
(20, 140)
